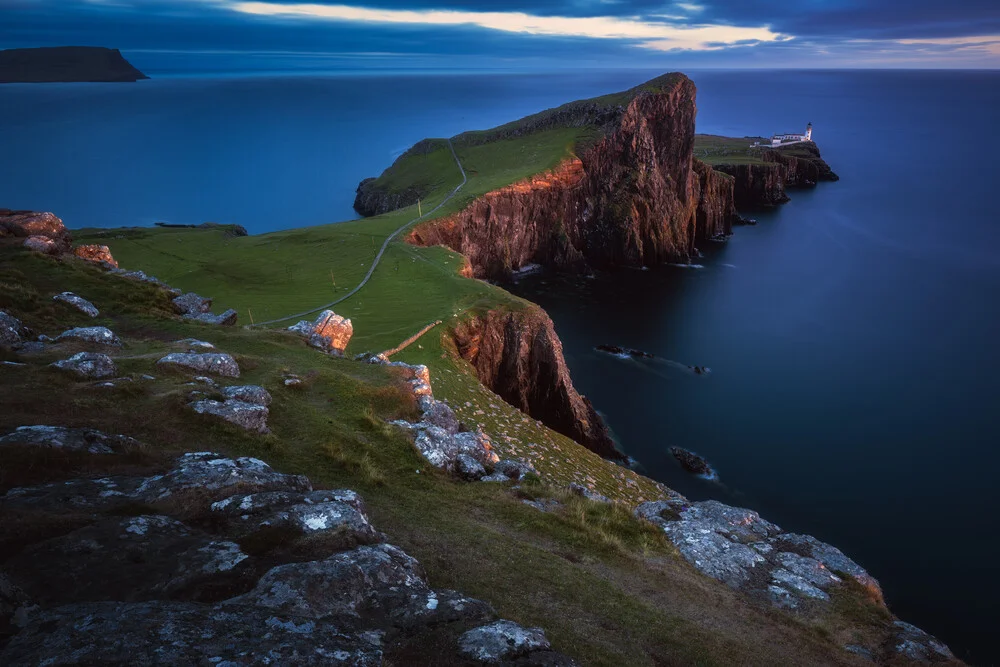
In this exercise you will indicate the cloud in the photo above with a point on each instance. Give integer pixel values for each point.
(650, 34)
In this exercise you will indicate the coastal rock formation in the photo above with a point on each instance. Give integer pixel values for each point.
(329, 332)
(693, 463)
(26, 224)
(373, 198)
(637, 197)
(88, 365)
(66, 64)
(99, 254)
(763, 185)
(173, 585)
(518, 356)
(78, 302)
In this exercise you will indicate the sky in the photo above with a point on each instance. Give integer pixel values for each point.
(524, 34)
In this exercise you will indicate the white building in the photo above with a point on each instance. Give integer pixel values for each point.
(790, 137)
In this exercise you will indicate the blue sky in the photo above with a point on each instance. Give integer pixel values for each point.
(528, 34)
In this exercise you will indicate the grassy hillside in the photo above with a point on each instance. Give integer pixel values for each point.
(714, 149)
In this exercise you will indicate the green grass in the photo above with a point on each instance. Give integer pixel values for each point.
(713, 149)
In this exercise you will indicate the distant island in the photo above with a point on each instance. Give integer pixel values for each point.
(66, 64)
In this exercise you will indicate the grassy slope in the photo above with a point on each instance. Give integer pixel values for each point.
(713, 149)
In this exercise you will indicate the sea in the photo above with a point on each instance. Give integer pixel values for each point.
(852, 334)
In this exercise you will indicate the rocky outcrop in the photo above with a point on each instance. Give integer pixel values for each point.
(11, 330)
(66, 64)
(518, 356)
(249, 416)
(231, 562)
(99, 254)
(375, 197)
(88, 365)
(637, 197)
(763, 185)
(329, 332)
(78, 302)
(216, 363)
(42, 244)
(27, 224)
(70, 440)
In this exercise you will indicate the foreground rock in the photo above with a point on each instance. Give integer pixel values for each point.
(88, 365)
(329, 332)
(249, 416)
(97, 335)
(248, 393)
(99, 254)
(49, 230)
(174, 586)
(42, 244)
(216, 363)
(81, 304)
(11, 330)
(194, 307)
(70, 439)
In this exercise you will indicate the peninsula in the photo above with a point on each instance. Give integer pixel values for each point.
(66, 64)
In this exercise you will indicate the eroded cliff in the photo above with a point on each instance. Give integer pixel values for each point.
(762, 184)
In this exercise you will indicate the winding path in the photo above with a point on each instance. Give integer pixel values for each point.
(381, 251)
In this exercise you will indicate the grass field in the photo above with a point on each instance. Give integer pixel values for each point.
(713, 149)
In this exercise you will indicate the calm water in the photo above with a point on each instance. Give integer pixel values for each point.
(852, 334)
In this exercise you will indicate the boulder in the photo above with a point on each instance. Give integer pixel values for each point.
(250, 416)
(226, 319)
(441, 448)
(184, 633)
(329, 332)
(99, 254)
(913, 643)
(89, 365)
(501, 641)
(584, 492)
(42, 244)
(99, 562)
(694, 463)
(469, 468)
(27, 224)
(143, 277)
(98, 335)
(217, 363)
(70, 440)
(514, 469)
(439, 414)
(81, 304)
(192, 304)
(249, 393)
(11, 330)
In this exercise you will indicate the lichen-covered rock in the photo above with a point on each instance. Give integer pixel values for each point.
(329, 332)
(501, 641)
(832, 557)
(469, 468)
(226, 319)
(99, 254)
(217, 363)
(98, 562)
(249, 393)
(192, 304)
(70, 440)
(42, 244)
(11, 330)
(97, 335)
(91, 365)
(913, 643)
(82, 495)
(514, 469)
(583, 491)
(78, 302)
(439, 414)
(26, 224)
(251, 416)
(143, 277)
(214, 474)
(441, 448)
(184, 633)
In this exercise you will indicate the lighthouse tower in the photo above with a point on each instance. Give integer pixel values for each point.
(809, 132)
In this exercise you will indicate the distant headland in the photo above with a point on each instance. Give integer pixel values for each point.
(66, 64)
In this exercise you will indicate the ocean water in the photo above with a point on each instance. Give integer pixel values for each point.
(852, 334)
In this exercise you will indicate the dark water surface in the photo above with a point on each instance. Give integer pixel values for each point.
(852, 334)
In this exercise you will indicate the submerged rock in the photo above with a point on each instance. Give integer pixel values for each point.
(329, 332)
(70, 439)
(81, 304)
(98, 335)
(89, 365)
(251, 416)
(99, 254)
(217, 363)
(694, 463)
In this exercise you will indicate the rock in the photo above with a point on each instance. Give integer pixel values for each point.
(11, 330)
(226, 319)
(251, 416)
(248, 394)
(98, 335)
(469, 468)
(143, 277)
(204, 379)
(194, 343)
(42, 244)
(99, 254)
(12, 598)
(88, 365)
(542, 504)
(27, 224)
(213, 474)
(501, 641)
(329, 332)
(913, 643)
(192, 304)
(217, 363)
(583, 491)
(439, 414)
(99, 562)
(79, 303)
(70, 439)
(441, 448)
(378, 581)
(184, 633)
(831, 557)
(514, 469)
(292, 381)
(82, 495)
(694, 463)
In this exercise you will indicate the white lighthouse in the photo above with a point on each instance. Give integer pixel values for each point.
(809, 132)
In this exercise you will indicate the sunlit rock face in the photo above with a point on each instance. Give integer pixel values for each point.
(329, 332)
(55, 238)
(99, 254)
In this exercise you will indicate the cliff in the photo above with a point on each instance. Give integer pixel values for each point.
(762, 183)
(399, 185)
(66, 64)
(518, 355)
(635, 196)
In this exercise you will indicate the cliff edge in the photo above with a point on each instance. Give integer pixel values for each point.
(66, 64)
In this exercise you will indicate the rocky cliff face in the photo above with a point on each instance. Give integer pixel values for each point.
(637, 197)
(763, 185)
(518, 355)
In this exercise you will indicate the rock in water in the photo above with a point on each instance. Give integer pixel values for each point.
(330, 332)
(90, 365)
(99, 254)
(217, 363)
(78, 302)
(694, 463)
(100, 335)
